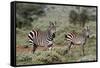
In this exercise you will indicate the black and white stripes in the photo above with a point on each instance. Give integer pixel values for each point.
(42, 38)
(32, 35)
(70, 35)
(74, 38)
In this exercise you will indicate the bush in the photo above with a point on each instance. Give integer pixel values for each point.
(73, 17)
(26, 13)
(47, 57)
(23, 59)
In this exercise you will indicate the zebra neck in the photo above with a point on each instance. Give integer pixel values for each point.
(84, 36)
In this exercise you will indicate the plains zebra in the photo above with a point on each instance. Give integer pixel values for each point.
(43, 38)
(74, 38)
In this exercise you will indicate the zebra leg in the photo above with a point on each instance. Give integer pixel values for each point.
(50, 45)
(83, 50)
(34, 48)
(50, 48)
(69, 47)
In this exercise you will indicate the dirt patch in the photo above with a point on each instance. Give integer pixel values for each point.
(21, 49)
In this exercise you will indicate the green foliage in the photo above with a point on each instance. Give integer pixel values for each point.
(26, 13)
(80, 17)
(92, 18)
(48, 57)
(73, 17)
(40, 57)
(57, 55)
(84, 17)
(23, 59)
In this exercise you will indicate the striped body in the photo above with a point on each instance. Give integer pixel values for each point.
(74, 38)
(42, 38)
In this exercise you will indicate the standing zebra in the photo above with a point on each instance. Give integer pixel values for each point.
(74, 38)
(43, 38)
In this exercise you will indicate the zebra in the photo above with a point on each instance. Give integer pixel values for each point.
(74, 38)
(43, 38)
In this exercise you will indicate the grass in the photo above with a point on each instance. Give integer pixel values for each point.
(57, 54)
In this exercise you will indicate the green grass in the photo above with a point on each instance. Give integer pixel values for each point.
(57, 55)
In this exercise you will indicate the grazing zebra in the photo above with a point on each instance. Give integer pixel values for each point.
(74, 38)
(43, 38)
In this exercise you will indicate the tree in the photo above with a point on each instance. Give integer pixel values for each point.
(84, 17)
(73, 17)
(26, 13)
(81, 16)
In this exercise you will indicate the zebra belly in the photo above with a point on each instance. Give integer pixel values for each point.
(77, 43)
(46, 43)
(42, 42)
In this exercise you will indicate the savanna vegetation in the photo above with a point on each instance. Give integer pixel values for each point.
(68, 18)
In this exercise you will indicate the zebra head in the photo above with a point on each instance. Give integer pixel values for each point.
(86, 32)
(52, 28)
